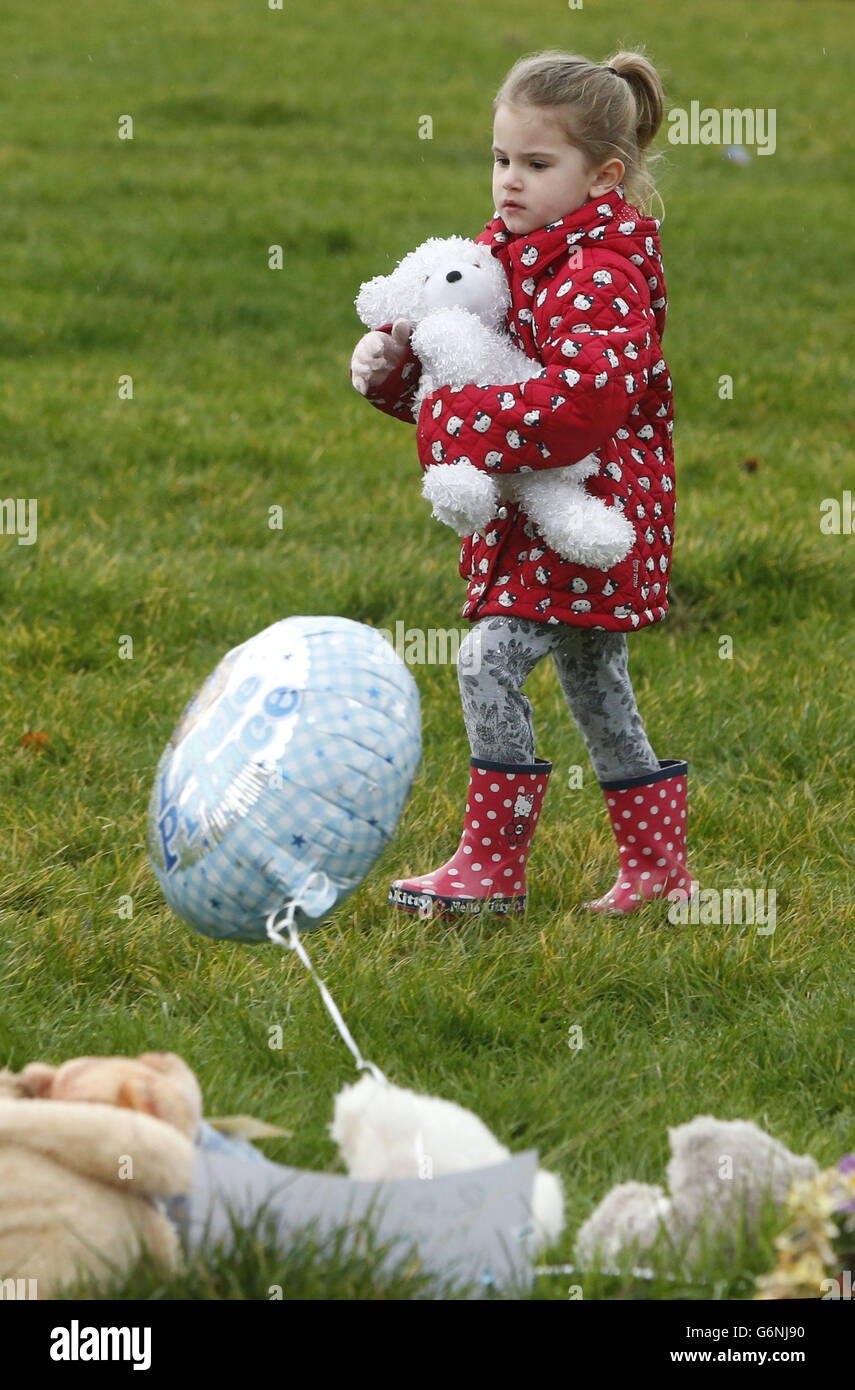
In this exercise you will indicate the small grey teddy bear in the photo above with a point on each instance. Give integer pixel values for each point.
(717, 1170)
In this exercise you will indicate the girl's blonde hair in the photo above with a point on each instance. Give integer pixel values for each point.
(604, 114)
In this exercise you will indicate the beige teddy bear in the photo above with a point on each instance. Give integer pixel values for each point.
(85, 1148)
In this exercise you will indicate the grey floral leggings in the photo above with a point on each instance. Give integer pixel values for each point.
(494, 661)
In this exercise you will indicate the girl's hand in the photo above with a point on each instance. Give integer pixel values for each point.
(377, 354)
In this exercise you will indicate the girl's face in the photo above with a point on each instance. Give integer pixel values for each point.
(538, 176)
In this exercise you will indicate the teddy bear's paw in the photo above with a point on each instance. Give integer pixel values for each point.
(630, 1217)
(547, 1209)
(576, 473)
(454, 346)
(462, 496)
(583, 531)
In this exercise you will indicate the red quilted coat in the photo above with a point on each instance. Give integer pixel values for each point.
(588, 301)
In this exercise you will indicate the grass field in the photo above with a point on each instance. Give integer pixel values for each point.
(149, 257)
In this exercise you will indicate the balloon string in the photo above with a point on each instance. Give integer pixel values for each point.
(294, 943)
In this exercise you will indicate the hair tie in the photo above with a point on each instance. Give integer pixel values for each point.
(614, 70)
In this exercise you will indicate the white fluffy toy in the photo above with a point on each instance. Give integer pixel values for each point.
(384, 1131)
(456, 295)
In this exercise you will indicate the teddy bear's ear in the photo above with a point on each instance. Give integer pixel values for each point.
(166, 1062)
(136, 1094)
(399, 295)
(379, 301)
(37, 1078)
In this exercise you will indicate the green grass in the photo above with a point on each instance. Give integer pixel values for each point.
(345, 1265)
(149, 257)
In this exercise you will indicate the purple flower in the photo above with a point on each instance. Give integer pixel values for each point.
(846, 1166)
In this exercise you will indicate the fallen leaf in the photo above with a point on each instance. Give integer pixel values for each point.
(35, 738)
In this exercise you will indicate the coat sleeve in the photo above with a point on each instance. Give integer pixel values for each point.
(395, 395)
(596, 365)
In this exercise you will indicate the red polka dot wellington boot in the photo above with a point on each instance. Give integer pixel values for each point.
(487, 871)
(648, 816)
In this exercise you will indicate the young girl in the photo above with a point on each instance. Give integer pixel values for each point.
(588, 301)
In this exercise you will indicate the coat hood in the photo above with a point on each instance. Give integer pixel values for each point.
(610, 222)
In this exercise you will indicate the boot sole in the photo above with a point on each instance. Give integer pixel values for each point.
(450, 908)
(636, 907)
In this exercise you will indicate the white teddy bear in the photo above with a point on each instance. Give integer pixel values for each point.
(456, 294)
(384, 1131)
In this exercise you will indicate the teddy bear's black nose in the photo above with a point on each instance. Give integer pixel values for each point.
(453, 275)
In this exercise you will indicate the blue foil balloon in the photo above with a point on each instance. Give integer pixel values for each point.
(285, 778)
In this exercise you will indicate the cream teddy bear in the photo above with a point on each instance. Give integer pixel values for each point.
(85, 1149)
(456, 294)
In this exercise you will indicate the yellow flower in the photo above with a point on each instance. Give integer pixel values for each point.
(805, 1251)
(802, 1279)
